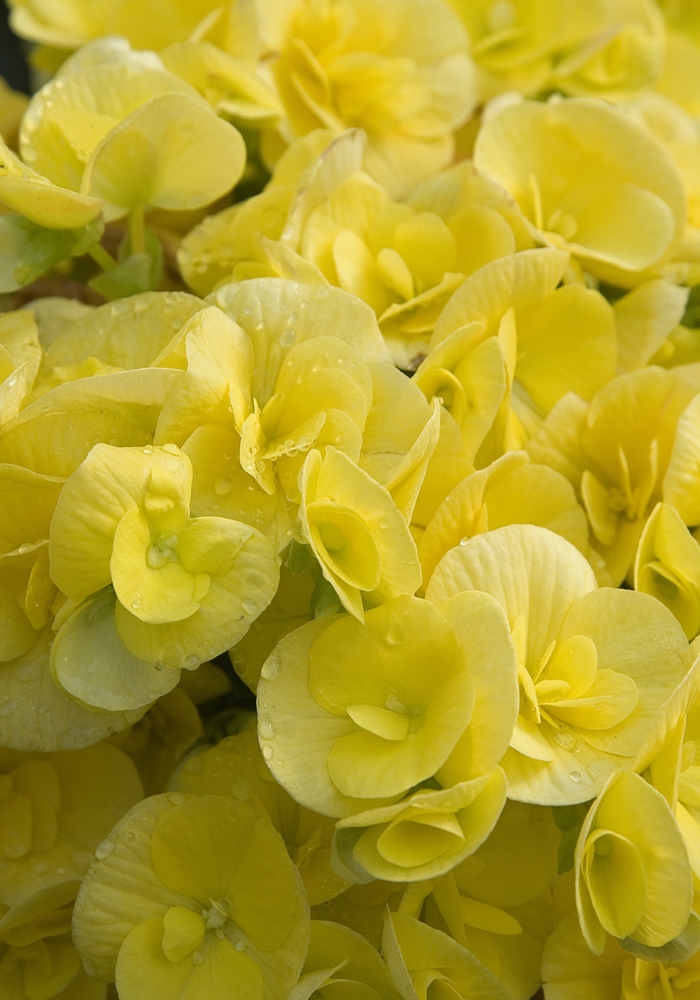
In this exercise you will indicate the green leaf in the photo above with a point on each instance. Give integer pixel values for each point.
(131, 277)
(135, 272)
(567, 817)
(567, 847)
(297, 558)
(324, 600)
(27, 250)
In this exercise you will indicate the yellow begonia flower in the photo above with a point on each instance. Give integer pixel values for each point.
(633, 878)
(679, 79)
(53, 206)
(235, 767)
(572, 972)
(401, 72)
(70, 25)
(616, 49)
(589, 660)
(230, 245)
(193, 896)
(37, 715)
(667, 566)
(644, 319)
(341, 962)
(27, 593)
(677, 131)
(496, 903)
(353, 716)
(134, 332)
(54, 811)
(37, 956)
(446, 468)
(404, 258)
(499, 358)
(682, 478)
(278, 369)
(420, 957)
(606, 49)
(107, 131)
(234, 90)
(425, 835)
(356, 532)
(55, 434)
(615, 453)
(588, 180)
(184, 588)
(20, 357)
(667, 759)
(161, 738)
(305, 351)
(510, 491)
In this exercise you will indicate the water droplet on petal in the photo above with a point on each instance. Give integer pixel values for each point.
(266, 728)
(575, 776)
(288, 337)
(177, 798)
(223, 486)
(104, 849)
(565, 740)
(267, 753)
(271, 667)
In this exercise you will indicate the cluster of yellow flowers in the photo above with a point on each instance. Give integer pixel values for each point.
(350, 501)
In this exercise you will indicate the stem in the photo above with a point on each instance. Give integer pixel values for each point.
(137, 229)
(102, 257)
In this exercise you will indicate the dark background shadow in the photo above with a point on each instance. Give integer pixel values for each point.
(13, 65)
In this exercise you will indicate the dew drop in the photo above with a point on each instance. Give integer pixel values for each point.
(288, 337)
(239, 946)
(465, 540)
(191, 662)
(176, 799)
(250, 607)
(267, 753)
(171, 449)
(223, 486)
(194, 765)
(575, 776)
(266, 728)
(241, 788)
(271, 667)
(136, 604)
(104, 849)
(159, 665)
(198, 957)
(148, 450)
(565, 740)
